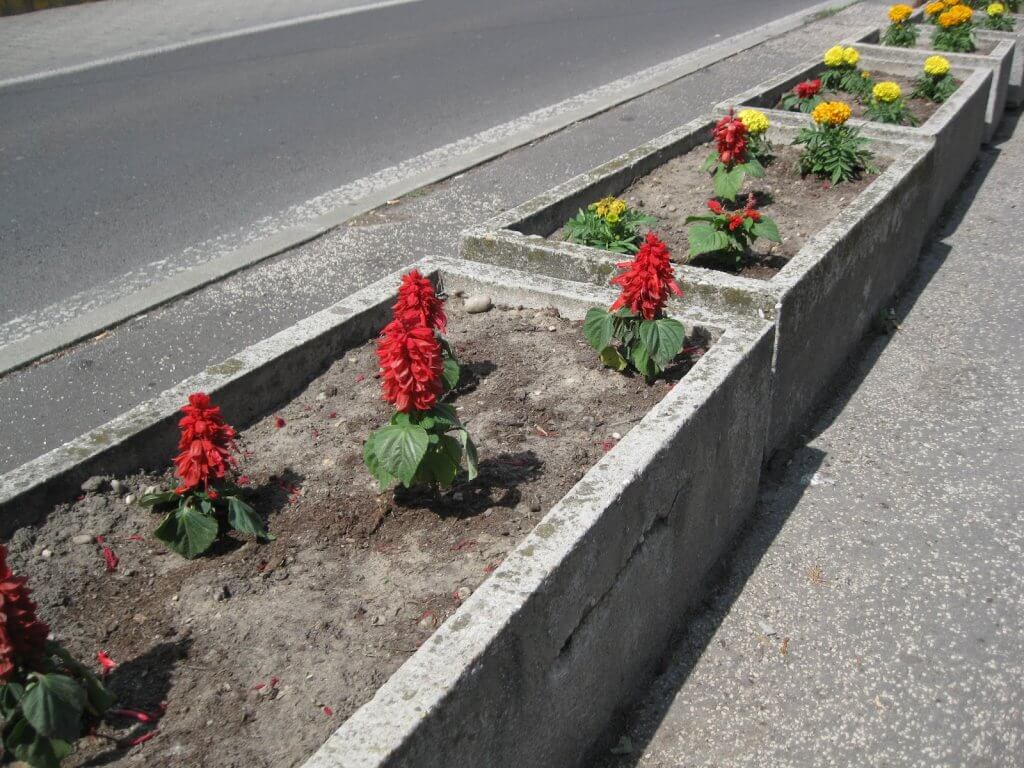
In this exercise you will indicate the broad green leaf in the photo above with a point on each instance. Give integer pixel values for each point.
(401, 419)
(649, 337)
(612, 359)
(380, 474)
(640, 357)
(441, 463)
(99, 699)
(53, 706)
(710, 162)
(692, 219)
(671, 335)
(33, 748)
(598, 328)
(445, 416)
(753, 167)
(244, 519)
(10, 696)
(706, 239)
(158, 499)
(187, 531)
(729, 183)
(767, 229)
(471, 457)
(451, 374)
(399, 450)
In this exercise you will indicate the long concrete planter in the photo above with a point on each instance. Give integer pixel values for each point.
(822, 300)
(569, 628)
(999, 61)
(957, 127)
(1015, 86)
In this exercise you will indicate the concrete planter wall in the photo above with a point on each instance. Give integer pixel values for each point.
(570, 627)
(999, 61)
(822, 300)
(957, 127)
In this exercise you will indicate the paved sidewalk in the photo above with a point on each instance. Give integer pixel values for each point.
(874, 615)
(78, 34)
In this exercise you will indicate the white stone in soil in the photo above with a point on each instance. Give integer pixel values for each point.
(82, 538)
(477, 304)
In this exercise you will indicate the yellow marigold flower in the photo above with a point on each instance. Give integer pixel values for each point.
(612, 218)
(900, 13)
(955, 16)
(755, 120)
(886, 92)
(834, 56)
(831, 113)
(934, 9)
(850, 57)
(936, 66)
(995, 10)
(609, 208)
(865, 75)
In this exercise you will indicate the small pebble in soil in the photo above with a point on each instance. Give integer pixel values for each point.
(477, 304)
(93, 484)
(616, 436)
(116, 486)
(47, 554)
(129, 499)
(463, 593)
(82, 538)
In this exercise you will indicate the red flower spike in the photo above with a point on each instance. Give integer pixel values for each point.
(206, 444)
(807, 89)
(730, 134)
(735, 222)
(715, 207)
(418, 304)
(647, 280)
(106, 663)
(411, 366)
(22, 634)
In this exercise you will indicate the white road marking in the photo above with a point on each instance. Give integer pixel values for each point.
(201, 40)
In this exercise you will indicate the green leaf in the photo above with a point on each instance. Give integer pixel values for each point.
(10, 697)
(441, 463)
(99, 698)
(640, 356)
(158, 499)
(468, 446)
(598, 327)
(729, 183)
(766, 228)
(33, 748)
(649, 337)
(451, 374)
(244, 519)
(671, 335)
(53, 706)
(445, 416)
(381, 475)
(704, 238)
(612, 359)
(753, 167)
(399, 448)
(187, 531)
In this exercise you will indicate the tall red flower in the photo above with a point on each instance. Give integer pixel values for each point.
(647, 280)
(22, 634)
(411, 366)
(206, 444)
(418, 304)
(731, 136)
(807, 88)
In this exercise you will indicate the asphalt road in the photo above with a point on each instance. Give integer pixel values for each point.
(130, 167)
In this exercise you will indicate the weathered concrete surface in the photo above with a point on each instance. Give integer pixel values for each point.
(823, 299)
(571, 625)
(957, 126)
(1000, 61)
(874, 614)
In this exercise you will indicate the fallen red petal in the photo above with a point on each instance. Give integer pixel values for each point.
(359, 378)
(332, 415)
(101, 540)
(328, 711)
(106, 663)
(111, 559)
(135, 537)
(274, 681)
(243, 480)
(464, 544)
(142, 739)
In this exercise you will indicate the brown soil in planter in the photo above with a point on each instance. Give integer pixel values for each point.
(922, 109)
(800, 206)
(260, 652)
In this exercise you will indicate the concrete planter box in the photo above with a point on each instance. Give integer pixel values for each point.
(957, 127)
(822, 300)
(1015, 89)
(999, 61)
(570, 627)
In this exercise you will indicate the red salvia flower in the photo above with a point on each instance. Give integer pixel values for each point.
(410, 365)
(807, 89)
(749, 210)
(731, 136)
(735, 222)
(418, 304)
(715, 206)
(647, 280)
(206, 444)
(22, 634)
